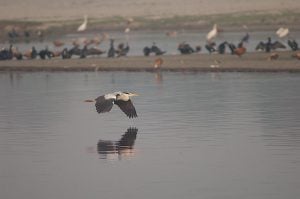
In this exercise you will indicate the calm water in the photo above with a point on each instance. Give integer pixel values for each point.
(204, 135)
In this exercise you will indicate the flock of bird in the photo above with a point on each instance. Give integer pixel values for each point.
(90, 46)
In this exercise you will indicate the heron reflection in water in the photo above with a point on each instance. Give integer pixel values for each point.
(124, 147)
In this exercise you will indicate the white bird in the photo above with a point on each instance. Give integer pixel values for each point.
(213, 33)
(282, 32)
(83, 26)
(104, 103)
(127, 30)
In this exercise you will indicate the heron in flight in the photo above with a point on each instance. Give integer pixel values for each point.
(104, 103)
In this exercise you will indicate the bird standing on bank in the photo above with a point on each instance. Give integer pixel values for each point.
(83, 26)
(212, 34)
(104, 103)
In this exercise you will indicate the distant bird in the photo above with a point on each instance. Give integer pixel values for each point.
(171, 34)
(245, 38)
(146, 51)
(96, 40)
(282, 32)
(65, 54)
(277, 45)
(58, 43)
(157, 50)
(273, 56)
(111, 51)
(293, 45)
(240, 50)
(31, 54)
(231, 47)
(104, 103)
(210, 47)
(94, 51)
(83, 26)
(222, 47)
(45, 53)
(158, 63)
(268, 46)
(127, 30)
(129, 21)
(185, 48)
(122, 50)
(296, 55)
(212, 34)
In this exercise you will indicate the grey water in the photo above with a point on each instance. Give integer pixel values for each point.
(198, 135)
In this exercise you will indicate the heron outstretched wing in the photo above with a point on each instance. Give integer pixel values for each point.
(103, 105)
(127, 107)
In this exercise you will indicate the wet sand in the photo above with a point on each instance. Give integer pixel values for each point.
(250, 62)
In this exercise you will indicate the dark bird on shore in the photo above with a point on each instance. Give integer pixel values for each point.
(185, 48)
(260, 46)
(17, 54)
(269, 45)
(46, 53)
(13, 35)
(153, 49)
(245, 38)
(31, 54)
(210, 47)
(231, 47)
(147, 51)
(157, 50)
(104, 103)
(293, 45)
(94, 51)
(122, 50)
(7, 54)
(222, 47)
(65, 54)
(111, 51)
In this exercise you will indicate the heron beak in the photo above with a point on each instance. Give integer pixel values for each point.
(133, 94)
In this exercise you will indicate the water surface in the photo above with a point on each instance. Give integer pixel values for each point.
(198, 135)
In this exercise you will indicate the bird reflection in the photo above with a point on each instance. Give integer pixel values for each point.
(158, 77)
(124, 147)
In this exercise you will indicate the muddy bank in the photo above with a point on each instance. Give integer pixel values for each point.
(250, 62)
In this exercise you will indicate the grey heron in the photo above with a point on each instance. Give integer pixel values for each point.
(104, 103)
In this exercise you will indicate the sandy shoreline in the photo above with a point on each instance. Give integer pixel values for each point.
(250, 62)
